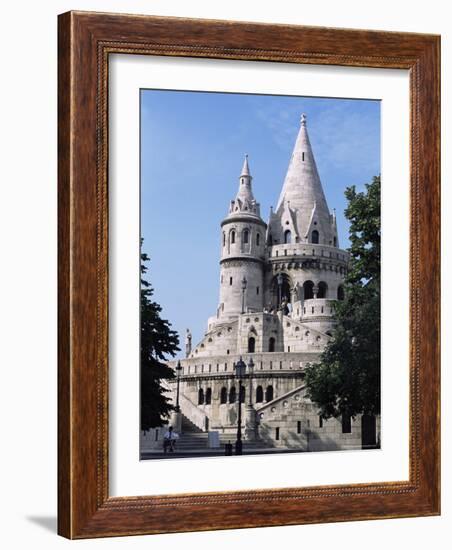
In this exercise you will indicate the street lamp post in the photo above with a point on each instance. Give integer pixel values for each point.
(176, 416)
(178, 371)
(250, 372)
(250, 424)
(240, 369)
(244, 283)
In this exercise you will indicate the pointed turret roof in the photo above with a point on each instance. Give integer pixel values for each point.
(302, 186)
(245, 167)
(244, 202)
(245, 192)
(303, 190)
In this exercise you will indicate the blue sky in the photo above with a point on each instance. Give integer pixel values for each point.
(192, 149)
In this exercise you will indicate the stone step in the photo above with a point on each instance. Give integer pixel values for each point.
(188, 426)
(200, 441)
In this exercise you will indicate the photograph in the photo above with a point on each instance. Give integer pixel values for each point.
(260, 274)
(224, 234)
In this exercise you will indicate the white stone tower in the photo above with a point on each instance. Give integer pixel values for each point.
(307, 267)
(294, 273)
(242, 253)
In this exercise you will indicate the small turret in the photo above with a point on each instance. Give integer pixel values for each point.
(244, 202)
(242, 251)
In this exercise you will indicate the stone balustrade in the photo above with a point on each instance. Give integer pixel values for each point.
(308, 250)
(318, 307)
(273, 362)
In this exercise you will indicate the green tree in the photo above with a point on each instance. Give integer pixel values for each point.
(347, 379)
(157, 341)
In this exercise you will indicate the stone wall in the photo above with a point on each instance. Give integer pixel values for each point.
(290, 335)
(292, 421)
(152, 439)
(232, 273)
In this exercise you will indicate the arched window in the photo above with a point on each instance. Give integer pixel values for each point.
(242, 394)
(270, 240)
(287, 237)
(246, 236)
(308, 290)
(323, 287)
(251, 344)
(208, 396)
(271, 344)
(232, 395)
(340, 292)
(258, 239)
(259, 394)
(315, 237)
(281, 288)
(335, 241)
(223, 396)
(224, 238)
(200, 396)
(269, 393)
(232, 237)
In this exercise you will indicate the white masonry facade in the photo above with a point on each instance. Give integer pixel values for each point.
(278, 285)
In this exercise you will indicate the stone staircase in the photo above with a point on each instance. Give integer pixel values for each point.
(188, 426)
(192, 439)
(197, 442)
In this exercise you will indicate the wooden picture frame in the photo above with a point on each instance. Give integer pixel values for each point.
(86, 40)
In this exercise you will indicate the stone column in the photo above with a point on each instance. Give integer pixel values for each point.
(215, 405)
(250, 423)
(176, 421)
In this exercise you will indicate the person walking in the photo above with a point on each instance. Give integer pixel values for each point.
(169, 440)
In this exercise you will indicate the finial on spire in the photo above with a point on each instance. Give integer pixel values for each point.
(245, 168)
(303, 119)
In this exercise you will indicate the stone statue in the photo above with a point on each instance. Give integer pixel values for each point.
(188, 343)
(284, 306)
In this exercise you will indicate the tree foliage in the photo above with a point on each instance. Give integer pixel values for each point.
(158, 341)
(347, 379)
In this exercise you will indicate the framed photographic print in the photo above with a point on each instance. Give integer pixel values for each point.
(248, 275)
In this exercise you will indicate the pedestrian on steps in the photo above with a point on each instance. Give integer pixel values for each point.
(169, 440)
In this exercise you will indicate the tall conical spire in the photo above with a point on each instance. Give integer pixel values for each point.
(302, 185)
(302, 197)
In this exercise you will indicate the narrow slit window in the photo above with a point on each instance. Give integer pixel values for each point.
(346, 424)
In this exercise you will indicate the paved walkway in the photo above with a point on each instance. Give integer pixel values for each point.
(158, 453)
